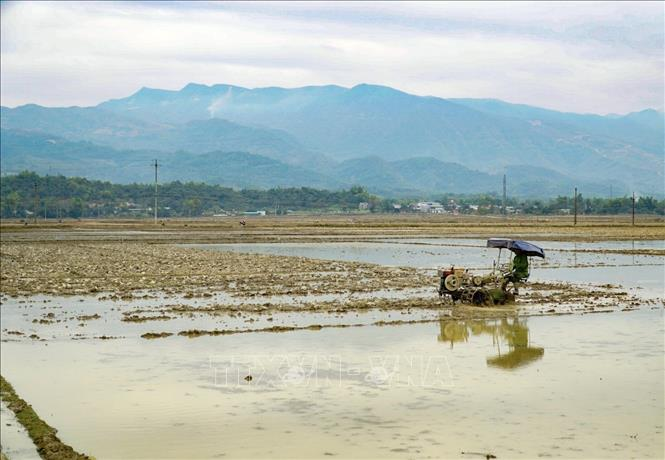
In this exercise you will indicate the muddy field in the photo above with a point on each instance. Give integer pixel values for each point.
(120, 263)
(122, 269)
(336, 228)
(75, 285)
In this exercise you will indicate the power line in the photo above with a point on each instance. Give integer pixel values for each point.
(36, 205)
(156, 166)
(504, 196)
(575, 205)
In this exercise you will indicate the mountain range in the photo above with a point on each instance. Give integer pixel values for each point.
(389, 141)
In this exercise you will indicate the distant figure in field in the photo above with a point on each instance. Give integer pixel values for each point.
(243, 223)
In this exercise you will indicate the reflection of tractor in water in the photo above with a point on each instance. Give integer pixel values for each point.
(512, 332)
(491, 288)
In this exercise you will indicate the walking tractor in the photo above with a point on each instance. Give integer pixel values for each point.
(498, 286)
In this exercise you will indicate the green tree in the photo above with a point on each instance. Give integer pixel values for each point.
(11, 202)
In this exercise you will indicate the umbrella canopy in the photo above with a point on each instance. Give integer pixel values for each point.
(516, 358)
(517, 246)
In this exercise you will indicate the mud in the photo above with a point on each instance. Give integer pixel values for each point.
(67, 269)
(132, 318)
(540, 299)
(555, 293)
(88, 317)
(337, 228)
(193, 333)
(156, 335)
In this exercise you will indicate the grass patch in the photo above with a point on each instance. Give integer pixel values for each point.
(49, 446)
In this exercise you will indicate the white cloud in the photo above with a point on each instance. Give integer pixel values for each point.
(585, 57)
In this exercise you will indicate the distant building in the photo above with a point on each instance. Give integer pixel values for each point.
(453, 207)
(254, 213)
(431, 207)
(363, 206)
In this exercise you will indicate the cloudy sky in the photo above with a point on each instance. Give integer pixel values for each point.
(578, 57)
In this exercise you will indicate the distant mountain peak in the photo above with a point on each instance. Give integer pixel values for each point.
(375, 89)
(148, 90)
(194, 87)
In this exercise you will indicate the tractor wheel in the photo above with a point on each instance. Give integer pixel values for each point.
(451, 283)
(489, 300)
(479, 297)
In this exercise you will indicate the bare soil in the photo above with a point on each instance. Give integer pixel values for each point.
(336, 228)
(88, 268)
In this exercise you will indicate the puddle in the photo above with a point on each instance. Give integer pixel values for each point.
(580, 386)
(16, 444)
(466, 253)
(56, 318)
(556, 245)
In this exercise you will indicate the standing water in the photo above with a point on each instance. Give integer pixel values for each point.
(573, 386)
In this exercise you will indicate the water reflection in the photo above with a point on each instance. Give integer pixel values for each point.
(510, 332)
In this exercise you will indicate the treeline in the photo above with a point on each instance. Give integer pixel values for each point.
(58, 197)
(75, 197)
(599, 206)
(560, 204)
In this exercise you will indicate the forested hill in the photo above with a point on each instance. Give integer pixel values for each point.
(60, 196)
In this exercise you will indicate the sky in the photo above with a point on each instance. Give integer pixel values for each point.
(598, 57)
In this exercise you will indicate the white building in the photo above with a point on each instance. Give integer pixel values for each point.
(432, 207)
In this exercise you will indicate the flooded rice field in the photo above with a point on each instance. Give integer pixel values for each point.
(566, 386)
(566, 262)
(351, 372)
(471, 253)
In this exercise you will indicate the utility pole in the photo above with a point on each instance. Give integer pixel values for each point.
(633, 209)
(156, 165)
(504, 196)
(36, 205)
(575, 205)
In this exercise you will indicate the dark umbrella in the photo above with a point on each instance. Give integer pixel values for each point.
(517, 246)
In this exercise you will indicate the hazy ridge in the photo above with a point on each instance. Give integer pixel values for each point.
(330, 137)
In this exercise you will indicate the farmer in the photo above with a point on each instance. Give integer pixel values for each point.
(519, 272)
